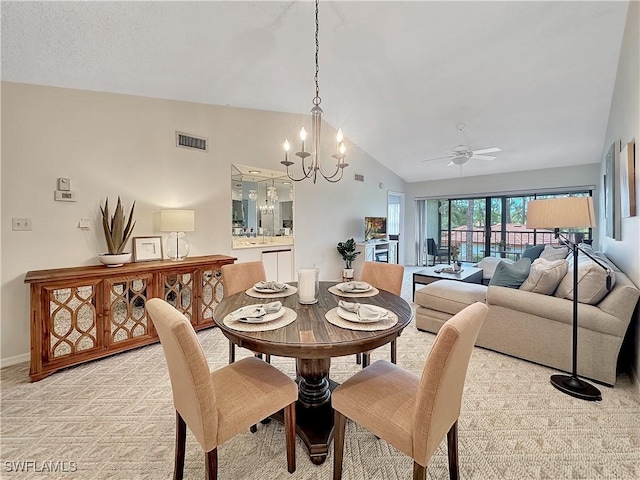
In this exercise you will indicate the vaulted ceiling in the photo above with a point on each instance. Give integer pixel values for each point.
(533, 78)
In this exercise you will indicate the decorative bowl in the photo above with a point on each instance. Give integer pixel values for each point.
(114, 260)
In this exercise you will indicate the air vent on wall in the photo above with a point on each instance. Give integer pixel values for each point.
(359, 178)
(192, 142)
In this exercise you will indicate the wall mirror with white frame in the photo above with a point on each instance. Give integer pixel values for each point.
(261, 207)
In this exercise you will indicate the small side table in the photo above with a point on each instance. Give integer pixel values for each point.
(429, 275)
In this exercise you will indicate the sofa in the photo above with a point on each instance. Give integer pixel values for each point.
(538, 327)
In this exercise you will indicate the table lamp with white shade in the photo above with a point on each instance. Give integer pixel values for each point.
(569, 212)
(177, 222)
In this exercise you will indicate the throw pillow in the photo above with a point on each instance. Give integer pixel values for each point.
(511, 274)
(532, 251)
(592, 282)
(489, 264)
(545, 276)
(552, 253)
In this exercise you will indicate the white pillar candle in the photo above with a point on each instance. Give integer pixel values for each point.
(307, 285)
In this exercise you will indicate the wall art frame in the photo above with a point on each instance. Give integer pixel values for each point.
(628, 207)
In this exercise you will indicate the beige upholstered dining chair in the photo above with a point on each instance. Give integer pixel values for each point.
(383, 276)
(218, 405)
(238, 277)
(413, 413)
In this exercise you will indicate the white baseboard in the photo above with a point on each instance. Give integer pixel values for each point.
(7, 362)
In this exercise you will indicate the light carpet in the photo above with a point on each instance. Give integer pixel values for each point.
(114, 419)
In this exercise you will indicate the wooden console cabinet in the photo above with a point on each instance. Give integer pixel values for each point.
(83, 313)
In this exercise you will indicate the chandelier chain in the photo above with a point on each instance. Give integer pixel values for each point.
(317, 99)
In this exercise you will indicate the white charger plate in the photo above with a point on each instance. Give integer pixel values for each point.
(237, 315)
(353, 317)
(352, 291)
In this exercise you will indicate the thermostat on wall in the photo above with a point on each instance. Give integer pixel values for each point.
(62, 196)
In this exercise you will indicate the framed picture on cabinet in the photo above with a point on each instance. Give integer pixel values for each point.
(146, 249)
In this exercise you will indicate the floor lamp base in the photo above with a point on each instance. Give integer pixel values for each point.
(575, 387)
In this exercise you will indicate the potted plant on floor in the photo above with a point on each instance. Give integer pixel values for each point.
(116, 233)
(348, 252)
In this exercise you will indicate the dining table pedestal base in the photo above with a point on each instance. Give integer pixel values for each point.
(314, 414)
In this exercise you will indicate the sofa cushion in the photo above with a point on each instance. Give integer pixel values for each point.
(532, 251)
(545, 276)
(511, 275)
(450, 296)
(488, 265)
(592, 282)
(552, 253)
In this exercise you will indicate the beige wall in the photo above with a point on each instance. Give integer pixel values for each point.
(624, 126)
(110, 145)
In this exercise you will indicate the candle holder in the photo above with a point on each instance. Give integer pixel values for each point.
(308, 285)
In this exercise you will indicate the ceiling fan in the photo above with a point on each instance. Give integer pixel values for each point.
(461, 153)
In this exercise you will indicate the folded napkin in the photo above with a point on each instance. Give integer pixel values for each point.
(257, 311)
(353, 286)
(368, 313)
(271, 286)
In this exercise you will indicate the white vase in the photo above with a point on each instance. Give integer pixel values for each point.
(114, 260)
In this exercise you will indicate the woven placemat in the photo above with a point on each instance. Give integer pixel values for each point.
(288, 317)
(285, 293)
(335, 319)
(369, 293)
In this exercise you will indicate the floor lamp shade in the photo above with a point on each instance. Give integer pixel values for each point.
(177, 222)
(563, 213)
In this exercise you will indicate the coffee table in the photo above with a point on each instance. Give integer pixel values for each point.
(429, 275)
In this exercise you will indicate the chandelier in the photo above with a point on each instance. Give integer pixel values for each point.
(271, 194)
(311, 170)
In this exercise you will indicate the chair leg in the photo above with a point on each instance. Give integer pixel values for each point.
(267, 358)
(452, 446)
(211, 465)
(290, 435)
(358, 358)
(181, 440)
(393, 351)
(253, 428)
(339, 424)
(419, 472)
(366, 359)
(232, 352)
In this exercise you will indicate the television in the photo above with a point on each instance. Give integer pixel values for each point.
(375, 228)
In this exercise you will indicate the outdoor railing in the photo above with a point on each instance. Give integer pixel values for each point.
(472, 243)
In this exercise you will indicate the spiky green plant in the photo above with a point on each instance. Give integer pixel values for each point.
(115, 231)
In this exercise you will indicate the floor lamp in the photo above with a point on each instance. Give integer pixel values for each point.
(569, 212)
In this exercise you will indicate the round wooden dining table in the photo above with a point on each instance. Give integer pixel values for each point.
(313, 341)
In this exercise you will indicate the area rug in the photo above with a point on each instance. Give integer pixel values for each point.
(114, 419)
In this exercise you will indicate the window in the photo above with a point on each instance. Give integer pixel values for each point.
(486, 226)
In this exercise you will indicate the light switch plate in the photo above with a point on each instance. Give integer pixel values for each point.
(62, 196)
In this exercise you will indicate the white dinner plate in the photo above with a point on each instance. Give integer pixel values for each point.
(352, 291)
(353, 317)
(237, 315)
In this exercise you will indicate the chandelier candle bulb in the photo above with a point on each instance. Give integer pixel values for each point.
(286, 150)
(303, 137)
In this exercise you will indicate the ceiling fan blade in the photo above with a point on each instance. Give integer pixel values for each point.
(487, 150)
(437, 158)
(482, 157)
